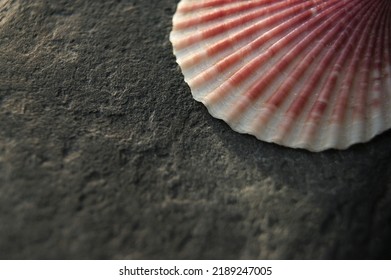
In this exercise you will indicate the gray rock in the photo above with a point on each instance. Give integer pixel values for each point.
(105, 155)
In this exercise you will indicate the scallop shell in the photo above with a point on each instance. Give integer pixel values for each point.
(303, 74)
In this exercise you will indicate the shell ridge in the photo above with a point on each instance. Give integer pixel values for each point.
(341, 111)
(242, 52)
(312, 74)
(338, 98)
(225, 43)
(387, 62)
(218, 14)
(202, 5)
(227, 25)
(376, 122)
(279, 96)
(246, 70)
(320, 106)
(256, 90)
(257, 43)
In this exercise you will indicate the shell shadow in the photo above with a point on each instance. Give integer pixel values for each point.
(334, 199)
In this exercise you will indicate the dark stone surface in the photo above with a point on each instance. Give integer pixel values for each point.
(104, 154)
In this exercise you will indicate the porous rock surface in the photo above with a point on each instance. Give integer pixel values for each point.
(105, 155)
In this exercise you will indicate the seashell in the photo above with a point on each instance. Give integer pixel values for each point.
(303, 74)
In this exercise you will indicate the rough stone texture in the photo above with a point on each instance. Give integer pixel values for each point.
(105, 155)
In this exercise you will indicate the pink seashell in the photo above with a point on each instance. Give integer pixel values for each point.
(303, 74)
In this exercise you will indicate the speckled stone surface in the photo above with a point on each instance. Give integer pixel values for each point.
(105, 155)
